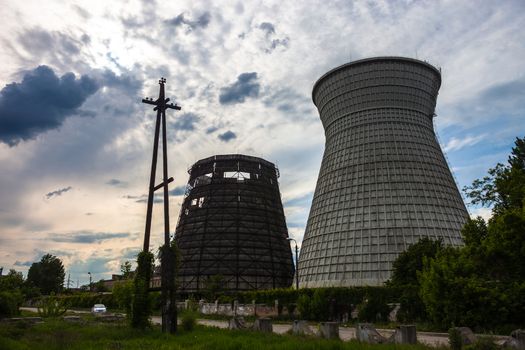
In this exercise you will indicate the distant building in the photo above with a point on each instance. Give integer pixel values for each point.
(109, 284)
(384, 182)
(231, 229)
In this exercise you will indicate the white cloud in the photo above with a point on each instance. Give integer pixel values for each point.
(485, 213)
(455, 144)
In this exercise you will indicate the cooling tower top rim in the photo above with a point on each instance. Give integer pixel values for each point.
(373, 59)
(240, 157)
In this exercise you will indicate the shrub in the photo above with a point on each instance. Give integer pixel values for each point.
(303, 305)
(374, 308)
(411, 308)
(123, 294)
(141, 305)
(320, 305)
(188, 319)
(52, 306)
(485, 343)
(9, 303)
(87, 300)
(155, 300)
(291, 308)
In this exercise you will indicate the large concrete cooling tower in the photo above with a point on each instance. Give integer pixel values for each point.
(384, 182)
(232, 227)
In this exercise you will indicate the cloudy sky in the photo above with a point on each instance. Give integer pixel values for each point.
(75, 140)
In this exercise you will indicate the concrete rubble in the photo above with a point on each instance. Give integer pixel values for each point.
(516, 340)
(366, 333)
(301, 327)
(329, 330)
(467, 336)
(263, 325)
(404, 334)
(237, 322)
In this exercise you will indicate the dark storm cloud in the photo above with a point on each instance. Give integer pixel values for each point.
(201, 22)
(185, 121)
(86, 39)
(268, 28)
(503, 101)
(295, 106)
(58, 192)
(38, 41)
(117, 183)
(508, 95)
(211, 129)
(269, 32)
(86, 237)
(41, 102)
(227, 136)
(157, 198)
(247, 85)
(278, 42)
(182, 55)
(127, 83)
(23, 263)
(129, 253)
(178, 191)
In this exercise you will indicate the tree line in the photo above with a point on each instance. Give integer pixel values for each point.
(43, 278)
(481, 284)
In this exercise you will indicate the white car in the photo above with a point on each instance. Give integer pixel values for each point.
(98, 308)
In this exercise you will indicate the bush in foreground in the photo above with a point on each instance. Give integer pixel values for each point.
(9, 303)
(188, 320)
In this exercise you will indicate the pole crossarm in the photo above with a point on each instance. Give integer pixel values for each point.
(159, 105)
(161, 185)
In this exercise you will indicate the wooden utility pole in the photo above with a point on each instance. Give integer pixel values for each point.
(169, 309)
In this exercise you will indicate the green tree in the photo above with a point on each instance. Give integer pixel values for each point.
(141, 306)
(405, 270)
(407, 265)
(125, 269)
(12, 281)
(100, 286)
(47, 275)
(11, 293)
(482, 284)
(504, 186)
(304, 305)
(123, 293)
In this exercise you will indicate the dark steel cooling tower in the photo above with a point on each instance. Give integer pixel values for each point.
(384, 182)
(232, 225)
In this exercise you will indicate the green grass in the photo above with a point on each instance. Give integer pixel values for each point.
(26, 313)
(56, 334)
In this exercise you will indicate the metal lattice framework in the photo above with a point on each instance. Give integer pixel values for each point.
(384, 182)
(232, 225)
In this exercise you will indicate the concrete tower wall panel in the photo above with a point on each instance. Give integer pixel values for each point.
(384, 182)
